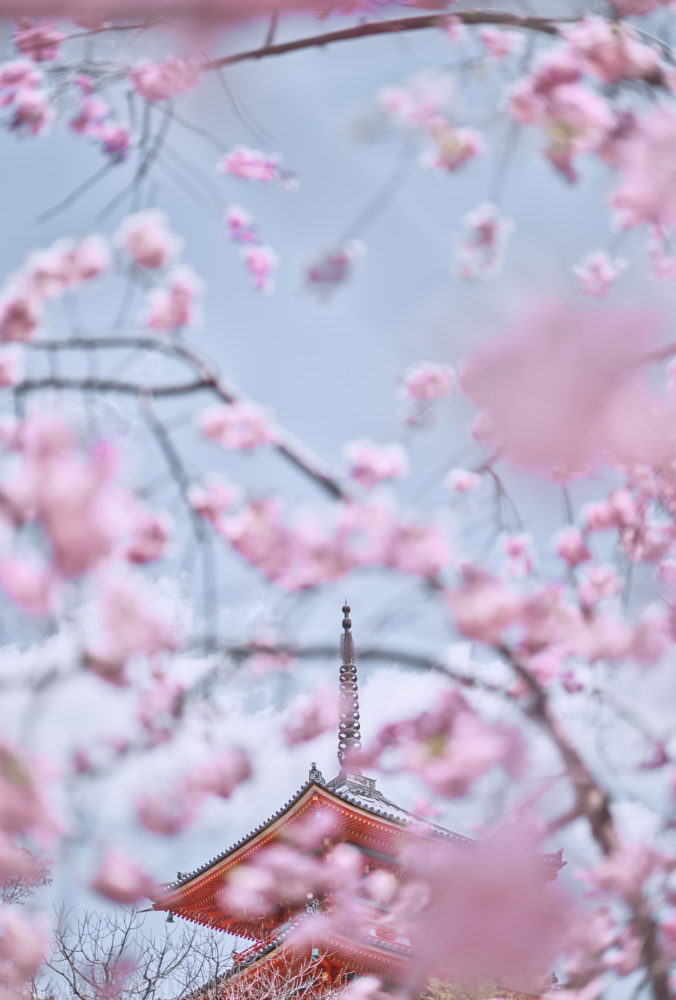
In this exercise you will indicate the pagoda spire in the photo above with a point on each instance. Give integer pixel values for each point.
(349, 737)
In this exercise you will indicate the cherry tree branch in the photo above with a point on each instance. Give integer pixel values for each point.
(394, 26)
(208, 380)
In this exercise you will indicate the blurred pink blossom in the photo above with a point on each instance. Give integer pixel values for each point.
(159, 82)
(370, 463)
(173, 306)
(40, 41)
(237, 425)
(428, 380)
(147, 239)
(121, 879)
(597, 272)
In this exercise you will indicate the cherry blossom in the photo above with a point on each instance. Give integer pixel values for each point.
(221, 774)
(597, 272)
(480, 253)
(251, 164)
(173, 307)
(311, 717)
(449, 747)
(241, 226)
(23, 947)
(261, 263)
(452, 147)
(462, 480)
(371, 463)
(128, 624)
(150, 537)
(32, 112)
(147, 239)
(646, 193)
(575, 118)
(11, 366)
(571, 546)
(501, 43)
(39, 41)
(121, 879)
(237, 425)
(333, 268)
(31, 586)
(428, 380)
(159, 82)
(610, 51)
(212, 498)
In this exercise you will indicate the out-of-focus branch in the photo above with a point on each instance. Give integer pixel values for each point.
(208, 380)
(394, 26)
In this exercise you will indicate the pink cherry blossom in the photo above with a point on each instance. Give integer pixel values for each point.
(597, 272)
(462, 481)
(648, 190)
(279, 874)
(25, 808)
(11, 366)
(371, 463)
(550, 389)
(501, 43)
(173, 306)
(23, 948)
(480, 253)
(449, 747)
(128, 624)
(626, 871)
(32, 112)
(574, 117)
(571, 546)
(333, 268)
(452, 147)
(483, 911)
(19, 74)
(260, 536)
(598, 582)
(159, 82)
(147, 239)
(310, 717)
(417, 547)
(628, 7)
(115, 139)
(261, 262)
(167, 813)
(150, 538)
(237, 425)
(31, 586)
(251, 164)
(610, 50)
(121, 879)
(93, 111)
(519, 551)
(424, 97)
(67, 263)
(212, 498)
(241, 226)
(428, 380)
(39, 41)
(221, 775)
(79, 506)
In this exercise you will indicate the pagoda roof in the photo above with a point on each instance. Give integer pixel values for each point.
(351, 788)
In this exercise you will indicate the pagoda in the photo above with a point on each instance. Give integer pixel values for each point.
(362, 817)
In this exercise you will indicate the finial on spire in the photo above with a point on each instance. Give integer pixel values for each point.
(349, 737)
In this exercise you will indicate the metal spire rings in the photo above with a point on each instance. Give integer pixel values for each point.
(349, 737)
